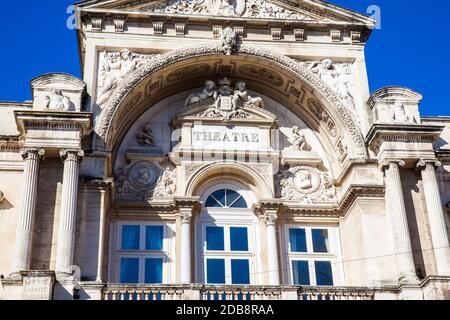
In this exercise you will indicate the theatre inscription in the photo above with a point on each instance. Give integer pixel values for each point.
(222, 137)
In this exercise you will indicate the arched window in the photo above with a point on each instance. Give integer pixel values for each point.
(225, 198)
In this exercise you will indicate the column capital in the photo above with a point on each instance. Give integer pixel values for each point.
(426, 163)
(270, 218)
(71, 155)
(387, 162)
(185, 216)
(32, 153)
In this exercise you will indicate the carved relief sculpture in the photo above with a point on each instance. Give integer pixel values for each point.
(166, 185)
(305, 184)
(299, 142)
(116, 67)
(338, 76)
(228, 103)
(57, 101)
(229, 41)
(399, 114)
(145, 137)
(239, 8)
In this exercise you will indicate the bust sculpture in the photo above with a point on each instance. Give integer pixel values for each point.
(57, 101)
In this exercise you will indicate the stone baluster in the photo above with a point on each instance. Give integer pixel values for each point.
(67, 219)
(396, 211)
(22, 254)
(436, 216)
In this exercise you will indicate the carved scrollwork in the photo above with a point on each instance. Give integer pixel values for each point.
(266, 75)
(305, 184)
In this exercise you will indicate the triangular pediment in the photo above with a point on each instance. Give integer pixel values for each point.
(296, 10)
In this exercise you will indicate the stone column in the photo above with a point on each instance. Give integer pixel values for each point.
(68, 215)
(270, 218)
(24, 235)
(436, 216)
(396, 210)
(185, 217)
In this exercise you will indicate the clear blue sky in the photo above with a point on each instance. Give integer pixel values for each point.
(411, 49)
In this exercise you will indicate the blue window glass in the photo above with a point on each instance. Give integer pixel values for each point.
(130, 237)
(215, 238)
(153, 270)
(215, 270)
(297, 239)
(320, 240)
(324, 274)
(240, 271)
(300, 273)
(216, 199)
(154, 237)
(238, 239)
(129, 270)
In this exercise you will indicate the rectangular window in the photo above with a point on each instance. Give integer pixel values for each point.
(153, 270)
(129, 270)
(215, 239)
(142, 253)
(300, 272)
(215, 270)
(238, 239)
(324, 274)
(297, 240)
(130, 237)
(240, 271)
(154, 236)
(320, 240)
(312, 255)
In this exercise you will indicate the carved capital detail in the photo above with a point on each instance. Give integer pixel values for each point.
(185, 216)
(428, 164)
(32, 153)
(71, 155)
(270, 218)
(386, 163)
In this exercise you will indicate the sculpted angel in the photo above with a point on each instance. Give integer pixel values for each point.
(209, 91)
(241, 96)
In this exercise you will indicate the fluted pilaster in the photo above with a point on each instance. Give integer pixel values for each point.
(396, 210)
(22, 256)
(436, 216)
(67, 219)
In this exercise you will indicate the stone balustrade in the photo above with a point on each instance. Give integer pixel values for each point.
(230, 293)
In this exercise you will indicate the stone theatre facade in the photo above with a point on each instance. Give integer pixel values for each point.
(220, 149)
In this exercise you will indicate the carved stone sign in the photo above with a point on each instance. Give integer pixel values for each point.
(37, 288)
(226, 137)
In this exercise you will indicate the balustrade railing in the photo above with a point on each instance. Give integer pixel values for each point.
(211, 292)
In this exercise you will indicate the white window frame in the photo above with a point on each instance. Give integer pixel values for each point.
(227, 254)
(333, 256)
(166, 253)
(226, 218)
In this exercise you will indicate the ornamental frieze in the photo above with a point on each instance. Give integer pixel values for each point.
(229, 8)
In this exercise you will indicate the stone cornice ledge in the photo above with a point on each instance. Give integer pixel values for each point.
(81, 120)
(321, 209)
(403, 133)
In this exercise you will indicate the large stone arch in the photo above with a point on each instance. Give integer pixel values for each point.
(308, 96)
